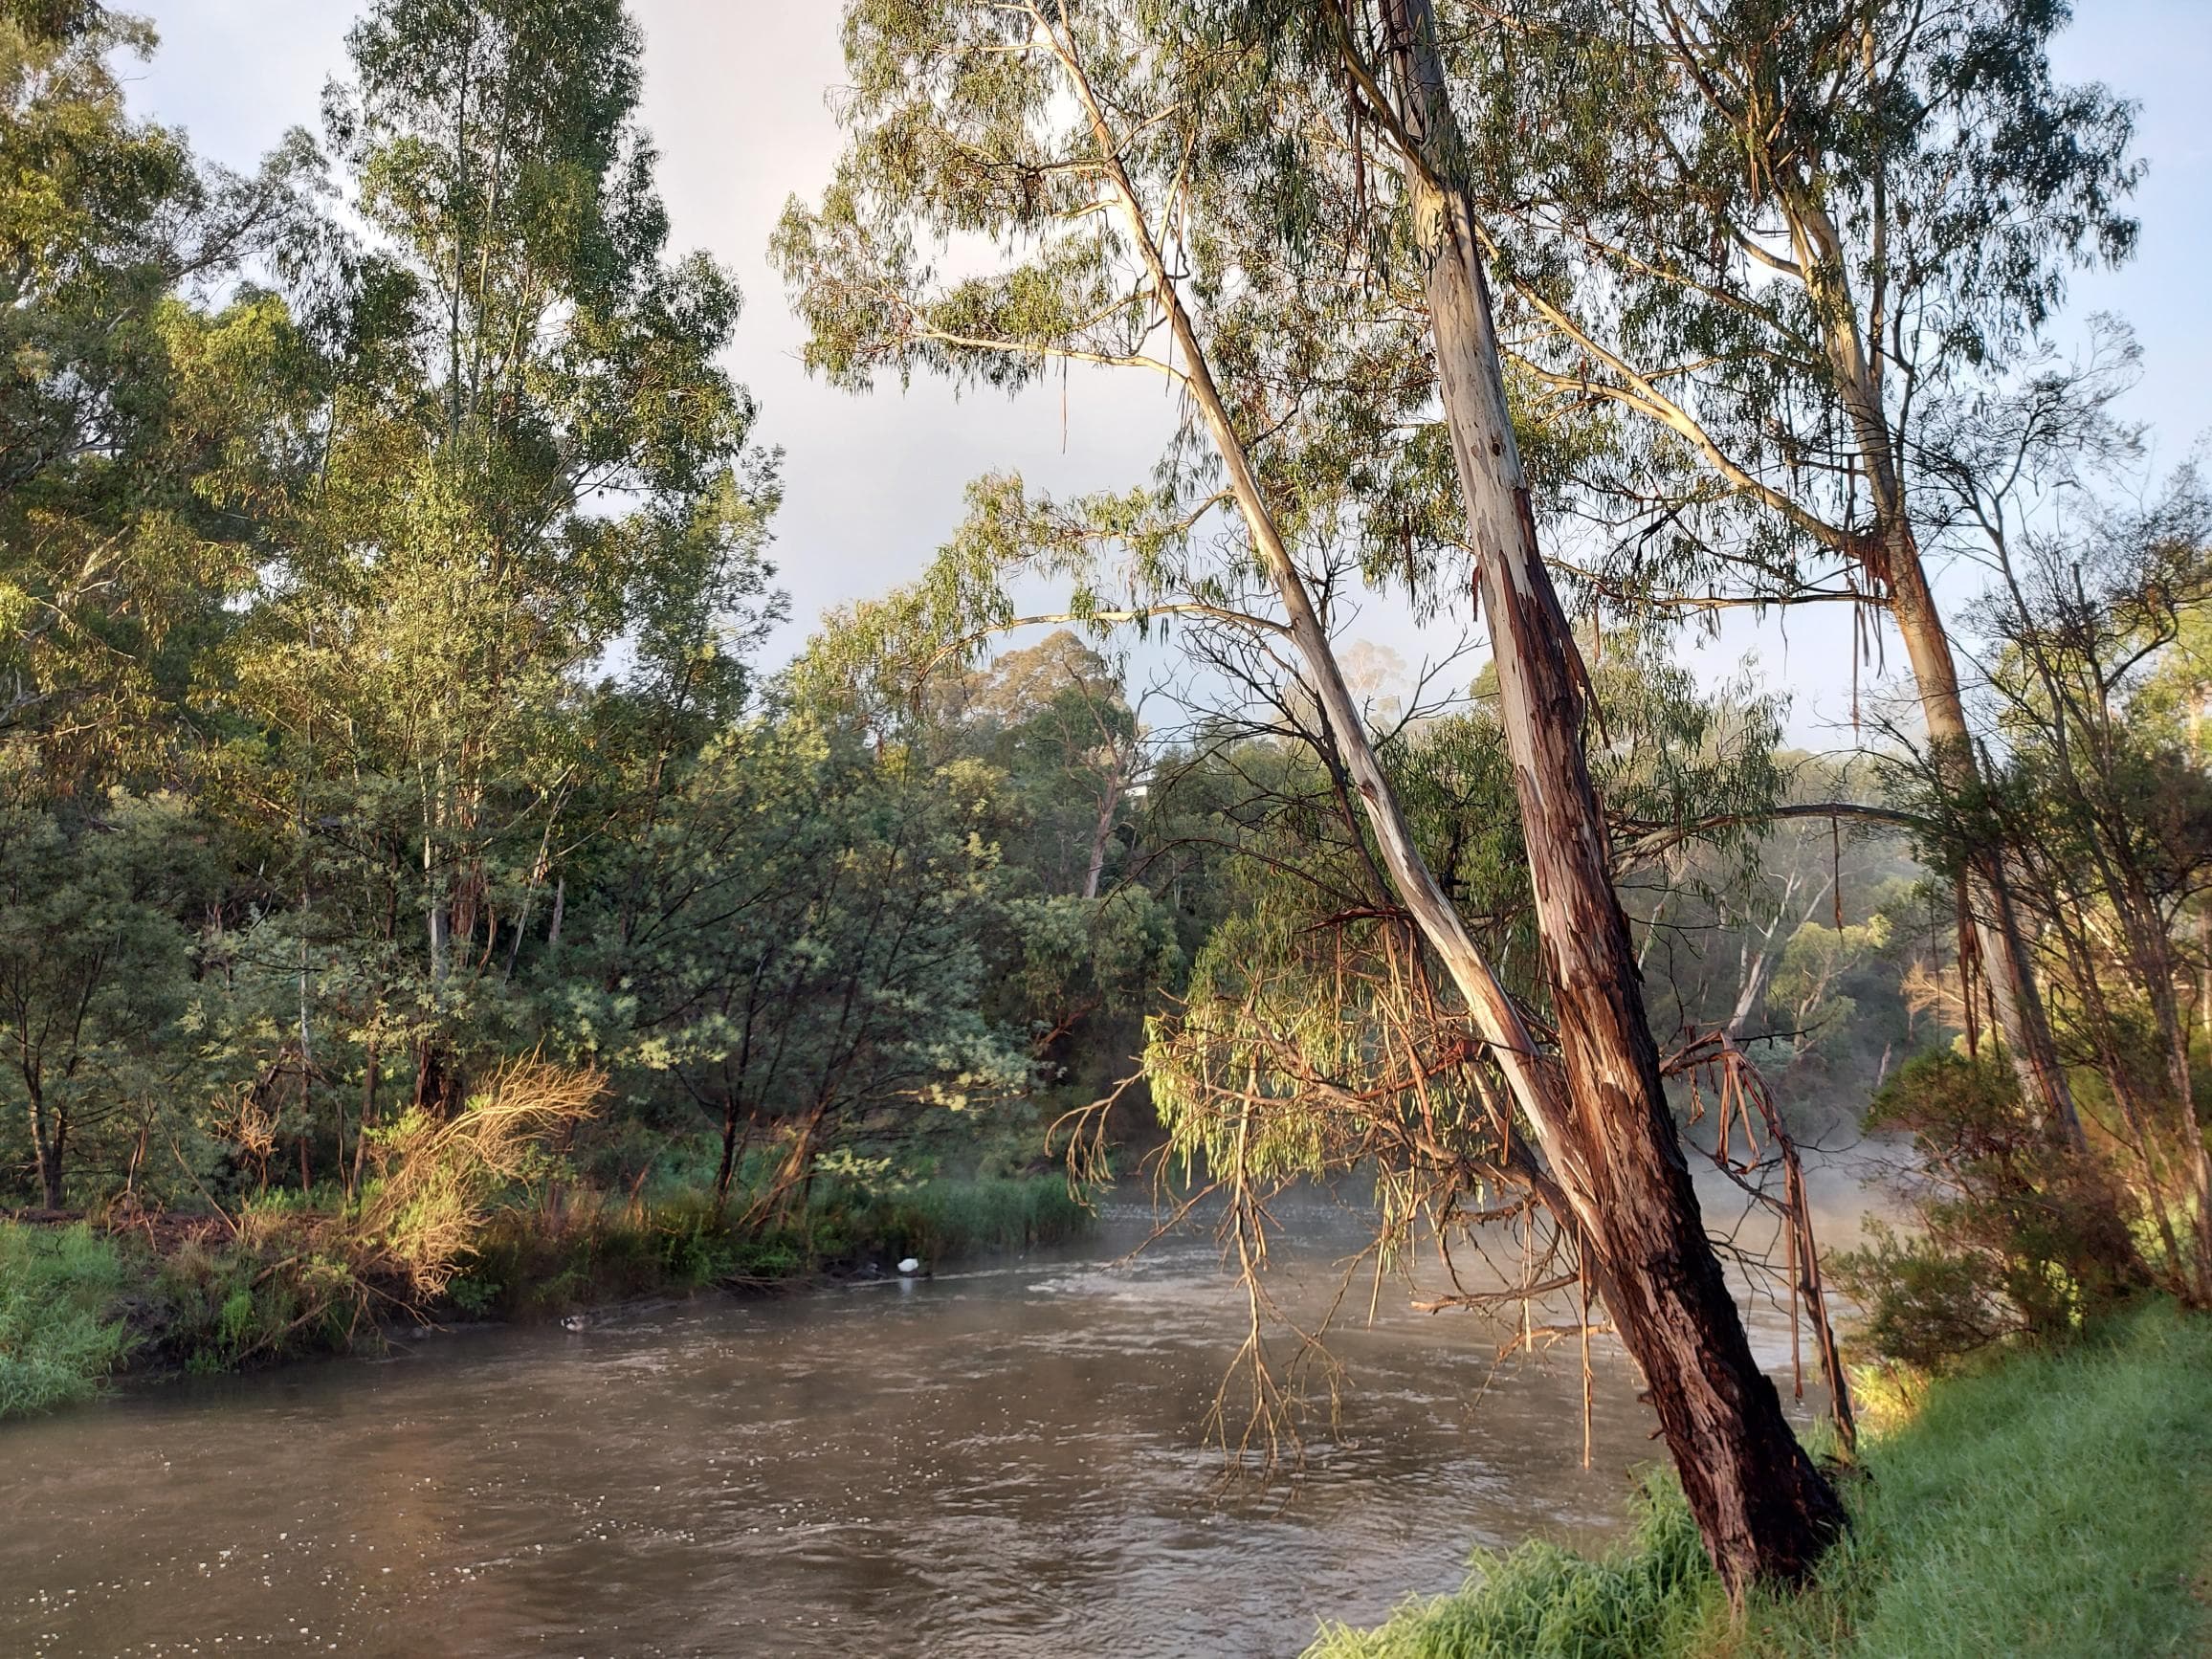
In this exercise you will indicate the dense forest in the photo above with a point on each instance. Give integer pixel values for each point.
(423, 896)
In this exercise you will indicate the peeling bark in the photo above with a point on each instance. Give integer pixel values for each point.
(1610, 1154)
(1765, 1512)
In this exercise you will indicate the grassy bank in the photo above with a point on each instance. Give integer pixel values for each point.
(2055, 1505)
(59, 1291)
(293, 1277)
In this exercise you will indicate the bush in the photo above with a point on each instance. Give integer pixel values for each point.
(438, 1181)
(58, 1330)
(2019, 1233)
(220, 1305)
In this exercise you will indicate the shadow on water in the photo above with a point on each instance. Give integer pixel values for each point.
(1005, 1460)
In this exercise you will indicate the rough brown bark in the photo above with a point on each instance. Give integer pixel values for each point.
(1765, 1512)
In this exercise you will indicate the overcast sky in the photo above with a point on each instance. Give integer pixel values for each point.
(735, 98)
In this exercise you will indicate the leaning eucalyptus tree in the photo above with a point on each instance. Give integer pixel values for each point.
(1775, 249)
(1090, 170)
(1754, 1524)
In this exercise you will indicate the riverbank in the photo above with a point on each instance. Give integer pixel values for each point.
(2057, 1504)
(82, 1301)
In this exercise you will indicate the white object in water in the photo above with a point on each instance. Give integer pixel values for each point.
(573, 1322)
(910, 1267)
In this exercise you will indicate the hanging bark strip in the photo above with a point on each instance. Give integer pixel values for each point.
(1797, 1364)
(1582, 1330)
(1969, 979)
(1739, 1092)
(1765, 1512)
(1836, 869)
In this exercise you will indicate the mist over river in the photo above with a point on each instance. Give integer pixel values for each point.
(1009, 1458)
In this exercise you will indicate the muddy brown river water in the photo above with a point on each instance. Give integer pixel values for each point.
(1006, 1459)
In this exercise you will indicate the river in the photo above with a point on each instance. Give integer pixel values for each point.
(1008, 1458)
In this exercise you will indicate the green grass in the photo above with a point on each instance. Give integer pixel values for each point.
(59, 1333)
(2055, 1506)
(1540, 1601)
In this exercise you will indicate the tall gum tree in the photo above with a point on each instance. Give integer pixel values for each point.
(1073, 145)
(527, 452)
(1763, 1509)
(1782, 244)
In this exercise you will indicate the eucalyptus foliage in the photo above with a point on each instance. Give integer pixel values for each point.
(128, 401)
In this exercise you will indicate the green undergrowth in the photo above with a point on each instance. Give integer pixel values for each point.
(58, 1332)
(276, 1282)
(2055, 1504)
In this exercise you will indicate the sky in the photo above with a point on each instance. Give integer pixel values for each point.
(738, 97)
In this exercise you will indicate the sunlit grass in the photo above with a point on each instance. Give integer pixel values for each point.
(2058, 1505)
(1540, 1600)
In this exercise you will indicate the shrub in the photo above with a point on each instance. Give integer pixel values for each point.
(437, 1181)
(218, 1305)
(2019, 1233)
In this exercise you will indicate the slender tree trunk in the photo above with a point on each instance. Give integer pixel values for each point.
(369, 1080)
(1103, 834)
(47, 1138)
(2023, 1021)
(1764, 1510)
(1892, 556)
(1492, 1011)
(735, 1133)
(1760, 970)
(794, 1177)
